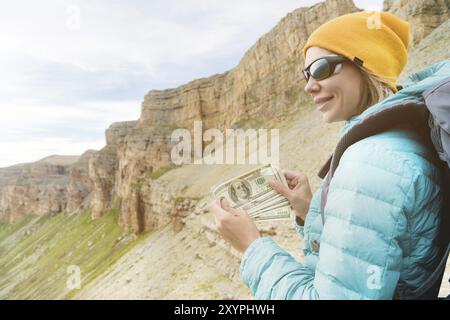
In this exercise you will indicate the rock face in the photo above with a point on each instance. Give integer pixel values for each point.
(103, 168)
(79, 188)
(37, 188)
(262, 90)
(431, 49)
(266, 83)
(424, 16)
(265, 86)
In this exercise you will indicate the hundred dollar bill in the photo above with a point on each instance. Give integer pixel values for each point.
(251, 192)
(275, 214)
(272, 204)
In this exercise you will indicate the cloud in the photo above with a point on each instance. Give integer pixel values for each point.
(70, 68)
(30, 131)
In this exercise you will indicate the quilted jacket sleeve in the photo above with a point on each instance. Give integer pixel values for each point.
(360, 256)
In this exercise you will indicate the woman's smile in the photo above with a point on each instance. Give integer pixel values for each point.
(322, 102)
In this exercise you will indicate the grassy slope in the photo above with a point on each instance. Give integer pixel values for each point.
(168, 265)
(35, 253)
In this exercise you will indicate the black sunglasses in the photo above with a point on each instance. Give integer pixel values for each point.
(323, 67)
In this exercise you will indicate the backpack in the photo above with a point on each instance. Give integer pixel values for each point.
(431, 118)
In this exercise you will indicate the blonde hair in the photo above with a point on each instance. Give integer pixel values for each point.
(375, 89)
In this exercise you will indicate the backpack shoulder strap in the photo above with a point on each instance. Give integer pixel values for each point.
(412, 113)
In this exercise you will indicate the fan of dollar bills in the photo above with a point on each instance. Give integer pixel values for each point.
(251, 192)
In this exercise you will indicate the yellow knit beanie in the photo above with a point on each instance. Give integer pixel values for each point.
(378, 40)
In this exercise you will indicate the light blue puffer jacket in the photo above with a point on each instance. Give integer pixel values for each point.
(381, 217)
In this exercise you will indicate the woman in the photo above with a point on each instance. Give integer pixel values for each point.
(382, 211)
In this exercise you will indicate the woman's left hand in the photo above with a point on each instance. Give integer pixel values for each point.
(234, 225)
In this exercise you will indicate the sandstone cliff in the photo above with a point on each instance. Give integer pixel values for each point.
(36, 188)
(424, 16)
(265, 87)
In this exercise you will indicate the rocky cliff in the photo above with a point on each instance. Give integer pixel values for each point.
(36, 188)
(424, 16)
(264, 89)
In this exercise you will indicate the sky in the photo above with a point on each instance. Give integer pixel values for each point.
(70, 68)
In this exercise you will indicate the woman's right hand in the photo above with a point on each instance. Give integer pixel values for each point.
(298, 192)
